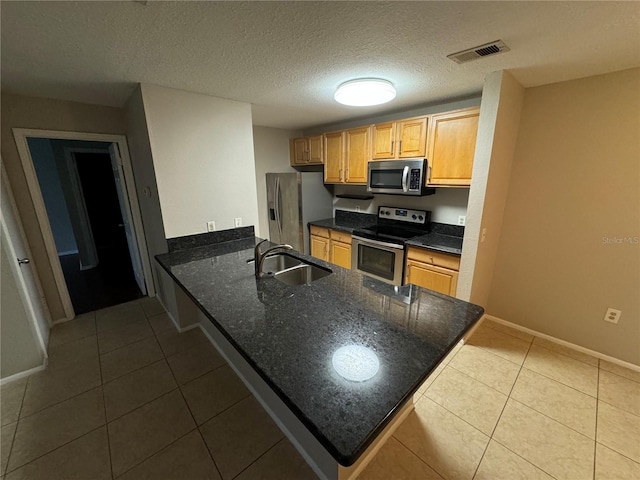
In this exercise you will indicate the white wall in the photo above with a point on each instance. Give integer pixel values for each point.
(271, 151)
(202, 151)
(445, 206)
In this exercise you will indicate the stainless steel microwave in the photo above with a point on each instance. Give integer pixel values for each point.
(399, 177)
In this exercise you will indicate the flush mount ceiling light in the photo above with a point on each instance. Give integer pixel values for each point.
(364, 92)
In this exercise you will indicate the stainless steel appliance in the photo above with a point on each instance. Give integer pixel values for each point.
(378, 250)
(399, 177)
(293, 200)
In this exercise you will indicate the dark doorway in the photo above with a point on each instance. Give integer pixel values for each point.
(112, 281)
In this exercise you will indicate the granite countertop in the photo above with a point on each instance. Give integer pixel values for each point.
(442, 237)
(289, 334)
(345, 221)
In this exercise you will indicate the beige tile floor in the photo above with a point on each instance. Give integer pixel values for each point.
(126, 396)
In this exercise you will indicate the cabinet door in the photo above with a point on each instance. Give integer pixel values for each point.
(383, 137)
(315, 150)
(333, 157)
(319, 247)
(412, 137)
(341, 254)
(452, 145)
(299, 153)
(358, 145)
(434, 278)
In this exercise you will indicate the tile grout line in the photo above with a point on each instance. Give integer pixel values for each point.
(55, 449)
(104, 407)
(260, 456)
(502, 411)
(197, 427)
(15, 432)
(528, 461)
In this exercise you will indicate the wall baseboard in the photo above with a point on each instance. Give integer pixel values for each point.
(26, 373)
(564, 343)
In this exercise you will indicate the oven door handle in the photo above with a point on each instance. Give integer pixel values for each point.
(405, 179)
(378, 243)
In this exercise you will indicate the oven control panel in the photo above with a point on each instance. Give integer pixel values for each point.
(403, 214)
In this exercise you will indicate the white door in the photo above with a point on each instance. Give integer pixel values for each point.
(127, 218)
(21, 266)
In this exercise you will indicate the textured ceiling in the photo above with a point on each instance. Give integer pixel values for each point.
(286, 58)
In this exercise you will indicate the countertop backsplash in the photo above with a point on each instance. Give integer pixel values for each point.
(446, 205)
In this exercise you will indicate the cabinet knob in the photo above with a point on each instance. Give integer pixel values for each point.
(23, 261)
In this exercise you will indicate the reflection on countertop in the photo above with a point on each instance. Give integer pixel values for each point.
(290, 334)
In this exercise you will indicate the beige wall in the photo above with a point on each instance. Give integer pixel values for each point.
(575, 182)
(202, 149)
(147, 190)
(46, 114)
(502, 98)
(271, 151)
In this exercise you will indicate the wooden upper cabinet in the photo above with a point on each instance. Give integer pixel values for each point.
(298, 147)
(383, 140)
(401, 139)
(306, 151)
(412, 137)
(315, 150)
(452, 145)
(333, 157)
(358, 154)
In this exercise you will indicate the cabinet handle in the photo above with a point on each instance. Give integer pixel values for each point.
(346, 174)
(400, 147)
(391, 149)
(340, 175)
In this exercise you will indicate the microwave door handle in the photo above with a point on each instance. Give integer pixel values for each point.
(405, 179)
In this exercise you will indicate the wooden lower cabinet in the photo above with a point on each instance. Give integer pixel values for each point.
(341, 254)
(331, 246)
(319, 247)
(433, 270)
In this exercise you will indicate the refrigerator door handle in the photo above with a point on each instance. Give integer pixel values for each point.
(277, 205)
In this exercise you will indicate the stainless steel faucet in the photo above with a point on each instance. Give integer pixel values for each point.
(258, 256)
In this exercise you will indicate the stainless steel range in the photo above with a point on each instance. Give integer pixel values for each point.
(378, 250)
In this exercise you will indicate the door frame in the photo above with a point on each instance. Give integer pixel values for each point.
(20, 135)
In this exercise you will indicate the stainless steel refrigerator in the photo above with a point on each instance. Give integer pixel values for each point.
(293, 200)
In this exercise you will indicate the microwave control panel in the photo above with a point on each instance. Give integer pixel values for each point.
(402, 214)
(415, 179)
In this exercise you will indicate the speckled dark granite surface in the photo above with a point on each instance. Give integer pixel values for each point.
(345, 221)
(289, 334)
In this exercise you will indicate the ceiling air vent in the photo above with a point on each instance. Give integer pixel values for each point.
(485, 50)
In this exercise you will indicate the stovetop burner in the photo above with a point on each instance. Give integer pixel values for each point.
(397, 225)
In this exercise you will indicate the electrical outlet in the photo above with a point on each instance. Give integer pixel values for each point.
(462, 219)
(237, 221)
(484, 235)
(211, 226)
(612, 315)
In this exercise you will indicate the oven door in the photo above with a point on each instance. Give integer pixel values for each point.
(381, 260)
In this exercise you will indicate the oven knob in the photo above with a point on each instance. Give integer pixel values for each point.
(414, 217)
(387, 212)
(420, 217)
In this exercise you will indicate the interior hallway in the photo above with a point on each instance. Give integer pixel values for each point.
(126, 396)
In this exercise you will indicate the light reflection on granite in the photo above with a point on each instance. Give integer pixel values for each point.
(290, 334)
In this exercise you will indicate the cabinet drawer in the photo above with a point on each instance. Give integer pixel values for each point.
(340, 236)
(434, 258)
(319, 231)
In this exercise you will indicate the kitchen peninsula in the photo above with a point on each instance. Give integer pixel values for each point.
(284, 342)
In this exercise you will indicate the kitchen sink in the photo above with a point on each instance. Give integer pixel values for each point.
(303, 274)
(291, 270)
(280, 261)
